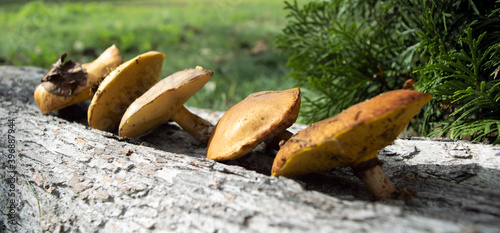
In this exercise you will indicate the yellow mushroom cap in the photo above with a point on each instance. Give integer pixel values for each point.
(68, 83)
(351, 137)
(162, 101)
(255, 119)
(121, 87)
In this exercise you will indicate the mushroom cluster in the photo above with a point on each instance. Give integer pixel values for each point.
(129, 97)
(126, 96)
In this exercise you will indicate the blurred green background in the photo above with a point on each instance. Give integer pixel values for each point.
(233, 38)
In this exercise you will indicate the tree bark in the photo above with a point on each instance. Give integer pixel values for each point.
(63, 176)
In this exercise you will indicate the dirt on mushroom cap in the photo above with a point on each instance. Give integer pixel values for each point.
(68, 83)
(351, 136)
(65, 77)
(258, 117)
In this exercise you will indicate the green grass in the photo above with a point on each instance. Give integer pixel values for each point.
(216, 34)
(37, 199)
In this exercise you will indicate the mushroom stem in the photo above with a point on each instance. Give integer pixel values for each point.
(194, 125)
(375, 179)
(276, 142)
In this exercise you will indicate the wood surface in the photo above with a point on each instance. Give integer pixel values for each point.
(71, 178)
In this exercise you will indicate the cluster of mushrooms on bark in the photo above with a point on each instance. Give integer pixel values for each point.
(130, 98)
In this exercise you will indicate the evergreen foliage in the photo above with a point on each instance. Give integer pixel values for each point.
(461, 40)
(345, 51)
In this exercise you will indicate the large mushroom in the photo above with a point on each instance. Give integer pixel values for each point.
(68, 82)
(164, 102)
(121, 87)
(260, 117)
(353, 137)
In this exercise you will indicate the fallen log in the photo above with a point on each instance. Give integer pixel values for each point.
(59, 175)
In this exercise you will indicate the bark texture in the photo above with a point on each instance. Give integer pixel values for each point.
(71, 178)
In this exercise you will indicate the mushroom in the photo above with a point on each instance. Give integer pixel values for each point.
(68, 83)
(259, 117)
(164, 102)
(121, 87)
(353, 137)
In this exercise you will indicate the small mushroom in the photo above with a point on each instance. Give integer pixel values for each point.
(164, 102)
(121, 87)
(259, 117)
(68, 82)
(353, 137)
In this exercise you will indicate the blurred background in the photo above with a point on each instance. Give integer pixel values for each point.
(339, 52)
(233, 38)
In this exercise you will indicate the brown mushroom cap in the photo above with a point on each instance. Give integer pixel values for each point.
(121, 87)
(351, 137)
(68, 83)
(258, 117)
(163, 101)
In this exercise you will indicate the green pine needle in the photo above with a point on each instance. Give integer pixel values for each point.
(475, 103)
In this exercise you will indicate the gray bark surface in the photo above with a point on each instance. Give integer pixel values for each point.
(71, 178)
